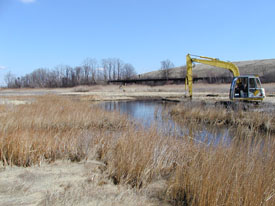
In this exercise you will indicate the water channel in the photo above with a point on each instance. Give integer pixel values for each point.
(156, 114)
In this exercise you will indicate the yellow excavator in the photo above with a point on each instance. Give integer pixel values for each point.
(243, 87)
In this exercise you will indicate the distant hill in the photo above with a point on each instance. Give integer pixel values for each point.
(264, 68)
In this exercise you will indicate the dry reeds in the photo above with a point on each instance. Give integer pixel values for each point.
(217, 115)
(52, 128)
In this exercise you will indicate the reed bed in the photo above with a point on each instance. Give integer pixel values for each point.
(216, 115)
(53, 128)
(242, 174)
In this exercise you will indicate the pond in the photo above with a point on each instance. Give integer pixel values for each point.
(156, 114)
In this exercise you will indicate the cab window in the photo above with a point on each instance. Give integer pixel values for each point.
(258, 83)
(252, 83)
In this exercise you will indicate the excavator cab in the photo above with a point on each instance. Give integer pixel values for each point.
(247, 88)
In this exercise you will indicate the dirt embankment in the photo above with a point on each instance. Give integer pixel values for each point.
(205, 92)
(265, 68)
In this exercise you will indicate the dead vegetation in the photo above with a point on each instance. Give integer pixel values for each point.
(52, 128)
(239, 115)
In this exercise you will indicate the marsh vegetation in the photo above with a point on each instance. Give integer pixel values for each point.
(52, 128)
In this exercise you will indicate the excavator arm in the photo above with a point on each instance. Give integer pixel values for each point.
(209, 61)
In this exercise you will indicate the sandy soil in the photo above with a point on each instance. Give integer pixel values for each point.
(66, 183)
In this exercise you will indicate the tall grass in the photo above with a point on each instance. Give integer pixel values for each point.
(255, 119)
(194, 174)
(241, 174)
(50, 128)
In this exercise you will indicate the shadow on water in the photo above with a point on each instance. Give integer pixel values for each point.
(156, 113)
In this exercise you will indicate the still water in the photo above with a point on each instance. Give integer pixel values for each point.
(156, 114)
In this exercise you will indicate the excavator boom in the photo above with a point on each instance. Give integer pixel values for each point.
(209, 61)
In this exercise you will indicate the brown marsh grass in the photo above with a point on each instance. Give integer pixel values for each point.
(217, 115)
(53, 128)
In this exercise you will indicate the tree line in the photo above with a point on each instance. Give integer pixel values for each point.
(89, 73)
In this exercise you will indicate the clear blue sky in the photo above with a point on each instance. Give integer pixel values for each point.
(45, 33)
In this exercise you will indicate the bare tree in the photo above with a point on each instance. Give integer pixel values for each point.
(78, 74)
(25, 81)
(59, 71)
(94, 65)
(100, 76)
(166, 65)
(109, 69)
(53, 79)
(118, 66)
(10, 80)
(39, 77)
(105, 69)
(66, 76)
(128, 71)
(90, 67)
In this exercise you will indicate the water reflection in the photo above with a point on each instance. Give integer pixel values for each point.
(156, 113)
(146, 112)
